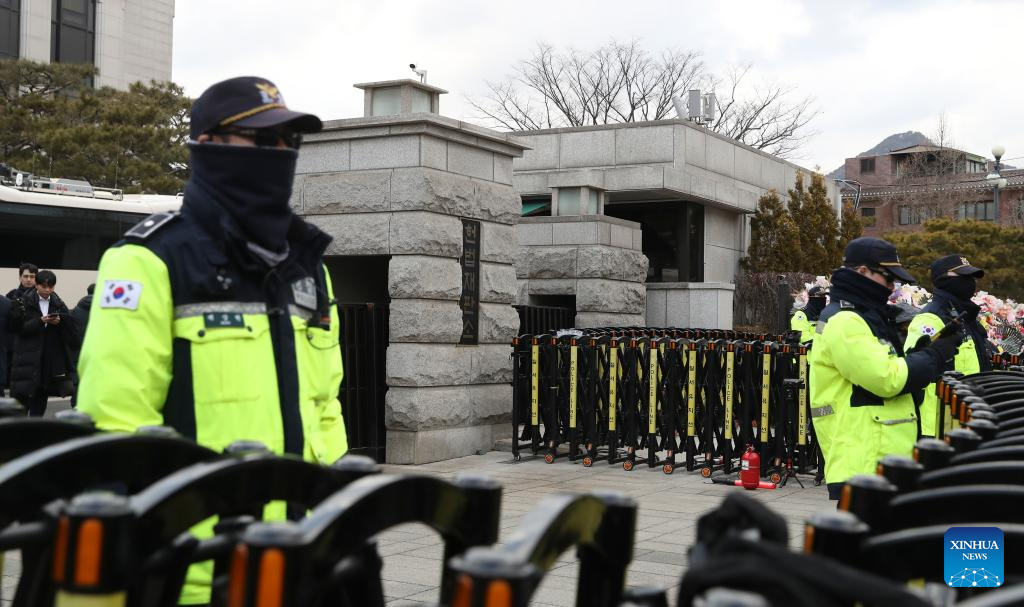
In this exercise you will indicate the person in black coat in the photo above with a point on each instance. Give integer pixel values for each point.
(27, 281)
(5, 341)
(27, 284)
(81, 312)
(81, 316)
(43, 347)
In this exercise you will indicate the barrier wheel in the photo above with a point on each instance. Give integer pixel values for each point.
(549, 458)
(705, 472)
(627, 465)
(775, 477)
(668, 468)
(517, 457)
(587, 461)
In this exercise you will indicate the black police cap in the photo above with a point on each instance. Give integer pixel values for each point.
(876, 253)
(954, 263)
(250, 102)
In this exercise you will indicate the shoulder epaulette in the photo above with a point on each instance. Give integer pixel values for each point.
(148, 226)
(845, 305)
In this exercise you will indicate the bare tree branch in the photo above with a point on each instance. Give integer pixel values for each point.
(623, 82)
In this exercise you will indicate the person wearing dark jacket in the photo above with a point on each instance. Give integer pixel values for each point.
(27, 284)
(27, 276)
(5, 340)
(43, 347)
(81, 312)
(81, 317)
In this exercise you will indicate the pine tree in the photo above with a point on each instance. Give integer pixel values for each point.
(774, 239)
(815, 218)
(826, 235)
(850, 228)
(995, 248)
(53, 123)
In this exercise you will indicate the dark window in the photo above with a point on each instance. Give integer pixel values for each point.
(981, 211)
(59, 237)
(673, 238)
(867, 216)
(73, 31)
(867, 166)
(905, 215)
(10, 28)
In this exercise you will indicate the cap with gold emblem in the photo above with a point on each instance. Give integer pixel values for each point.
(248, 102)
(957, 264)
(876, 253)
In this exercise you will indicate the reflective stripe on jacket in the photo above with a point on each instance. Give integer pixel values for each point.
(965, 361)
(856, 380)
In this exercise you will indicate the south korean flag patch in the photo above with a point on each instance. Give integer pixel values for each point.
(121, 294)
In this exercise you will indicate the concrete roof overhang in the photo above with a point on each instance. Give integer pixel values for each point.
(648, 161)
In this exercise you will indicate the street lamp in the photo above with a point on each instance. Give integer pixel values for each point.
(995, 179)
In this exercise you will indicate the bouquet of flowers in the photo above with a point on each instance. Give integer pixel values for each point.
(1003, 318)
(800, 300)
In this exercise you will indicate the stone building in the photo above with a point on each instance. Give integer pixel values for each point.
(403, 192)
(127, 40)
(641, 223)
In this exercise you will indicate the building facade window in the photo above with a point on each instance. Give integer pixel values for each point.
(73, 31)
(10, 28)
(867, 166)
(980, 211)
(867, 216)
(917, 214)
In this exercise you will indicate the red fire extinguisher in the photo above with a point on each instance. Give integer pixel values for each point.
(750, 468)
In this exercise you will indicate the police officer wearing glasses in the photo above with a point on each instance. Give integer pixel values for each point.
(220, 321)
(863, 384)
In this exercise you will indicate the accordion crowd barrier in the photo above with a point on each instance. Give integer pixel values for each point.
(104, 519)
(665, 397)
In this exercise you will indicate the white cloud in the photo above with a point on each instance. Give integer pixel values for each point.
(875, 68)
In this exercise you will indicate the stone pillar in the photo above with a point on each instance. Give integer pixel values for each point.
(596, 258)
(690, 305)
(399, 186)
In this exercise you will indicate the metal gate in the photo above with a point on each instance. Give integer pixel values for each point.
(535, 320)
(364, 343)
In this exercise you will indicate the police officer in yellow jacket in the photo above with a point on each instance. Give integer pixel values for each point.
(220, 321)
(862, 382)
(805, 319)
(955, 281)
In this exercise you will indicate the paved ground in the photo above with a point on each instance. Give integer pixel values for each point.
(669, 508)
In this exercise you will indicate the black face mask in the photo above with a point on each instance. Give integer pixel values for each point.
(961, 287)
(253, 184)
(814, 307)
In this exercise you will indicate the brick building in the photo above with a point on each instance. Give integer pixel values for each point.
(903, 188)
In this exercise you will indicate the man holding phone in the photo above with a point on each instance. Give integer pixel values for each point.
(43, 345)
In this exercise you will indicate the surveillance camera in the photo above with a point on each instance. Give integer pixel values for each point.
(412, 66)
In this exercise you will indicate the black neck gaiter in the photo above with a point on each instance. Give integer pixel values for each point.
(253, 184)
(960, 287)
(860, 290)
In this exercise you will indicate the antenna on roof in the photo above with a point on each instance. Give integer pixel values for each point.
(698, 108)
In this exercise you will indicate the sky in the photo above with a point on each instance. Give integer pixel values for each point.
(873, 67)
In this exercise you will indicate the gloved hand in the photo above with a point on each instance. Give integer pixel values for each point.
(946, 346)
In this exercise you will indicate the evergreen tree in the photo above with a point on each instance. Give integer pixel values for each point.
(828, 252)
(995, 248)
(133, 140)
(850, 228)
(774, 238)
(816, 223)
